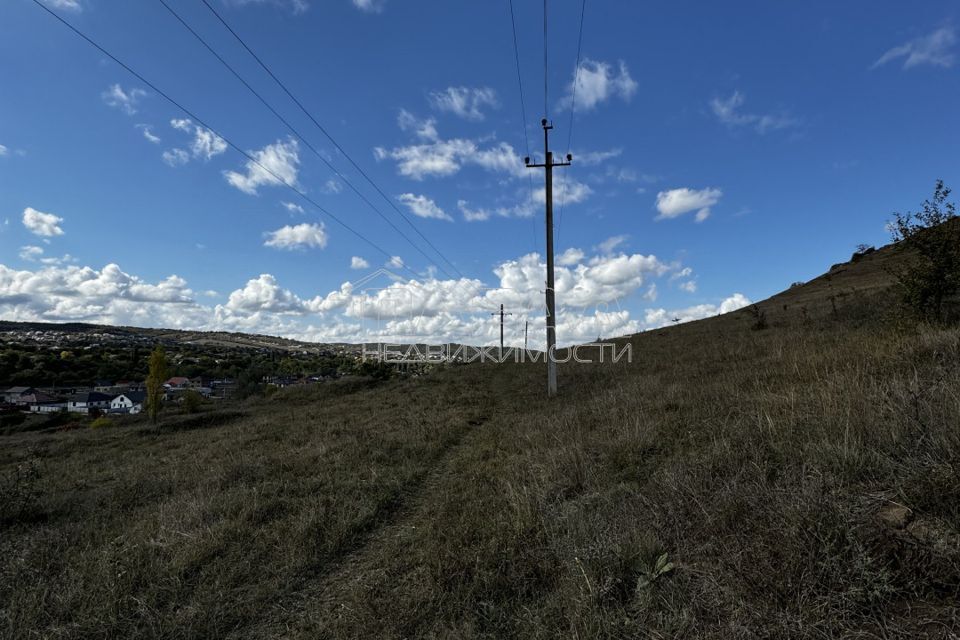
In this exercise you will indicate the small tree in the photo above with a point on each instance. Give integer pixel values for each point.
(931, 273)
(155, 380)
(191, 401)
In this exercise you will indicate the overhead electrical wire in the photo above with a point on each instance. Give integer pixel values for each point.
(234, 146)
(326, 133)
(298, 135)
(573, 108)
(546, 93)
(523, 112)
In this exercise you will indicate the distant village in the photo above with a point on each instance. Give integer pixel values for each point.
(106, 397)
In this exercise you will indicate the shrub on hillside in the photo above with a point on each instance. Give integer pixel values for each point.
(101, 422)
(930, 275)
(191, 401)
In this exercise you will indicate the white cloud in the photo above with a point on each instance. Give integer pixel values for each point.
(31, 253)
(570, 257)
(175, 157)
(728, 112)
(609, 245)
(566, 191)
(433, 156)
(278, 164)
(935, 49)
(501, 158)
(655, 318)
(589, 293)
(264, 294)
(597, 82)
(204, 145)
(589, 158)
(676, 202)
(356, 262)
(332, 186)
(395, 262)
(439, 158)
(69, 5)
(126, 101)
(147, 132)
(301, 236)
(295, 6)
(61, 293)
(465, 102)
(690, 286)
(292, 207)
(370, 6)
(3, 151)
(425, 129)
(423, 207)
(470, 214)
(42, 224)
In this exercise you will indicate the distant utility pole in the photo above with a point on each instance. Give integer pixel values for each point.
(501, 328)
(526, 328)
(548, 166)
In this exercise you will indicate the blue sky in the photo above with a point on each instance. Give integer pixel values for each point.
(721, 152)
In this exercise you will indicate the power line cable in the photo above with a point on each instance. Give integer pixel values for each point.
(573, 108)
(297, 134)
(202, 123)
(545, 66)
(523, 114)
(329, 137)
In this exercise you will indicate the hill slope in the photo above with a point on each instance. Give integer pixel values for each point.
(801, 480)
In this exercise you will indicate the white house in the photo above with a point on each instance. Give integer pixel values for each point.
(129, 402)
(84, 402)
(48, 407)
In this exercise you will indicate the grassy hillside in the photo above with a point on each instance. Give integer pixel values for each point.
(801, 480)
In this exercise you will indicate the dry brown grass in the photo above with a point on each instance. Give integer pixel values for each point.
(803, 479)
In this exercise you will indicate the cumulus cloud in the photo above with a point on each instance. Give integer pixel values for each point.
(465, 102)
(729, 113)
(42, 224)
(589, 293)
(655, 318)
(570, 257)
(3, 151)
(356, 262)
(301, 236)
(433, 156)
(597, 82)
(676, 202)
(292, 207)
(423, 207)
(125, 100)
(935, 49)
(276, 164)
(265, 294)
(30, 253)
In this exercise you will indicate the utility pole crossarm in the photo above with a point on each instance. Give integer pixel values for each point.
(548, 166)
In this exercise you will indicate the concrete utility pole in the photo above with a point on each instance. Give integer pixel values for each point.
(548, 166)
(526, 328)
(501, 328)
